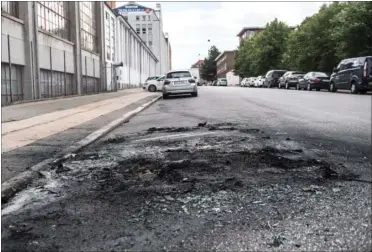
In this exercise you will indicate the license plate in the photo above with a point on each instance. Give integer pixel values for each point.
(179, 82)
(325, 80)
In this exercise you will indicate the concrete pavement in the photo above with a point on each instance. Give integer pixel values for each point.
(56, 124)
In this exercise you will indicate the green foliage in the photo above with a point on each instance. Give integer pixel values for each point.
(208, 70)
(339, 30)
(264, 51)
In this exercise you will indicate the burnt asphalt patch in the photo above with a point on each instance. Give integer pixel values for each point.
(207, 192)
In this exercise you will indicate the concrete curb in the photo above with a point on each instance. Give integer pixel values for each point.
(19, 182)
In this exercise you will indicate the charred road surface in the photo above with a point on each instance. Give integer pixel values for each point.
(233, 169)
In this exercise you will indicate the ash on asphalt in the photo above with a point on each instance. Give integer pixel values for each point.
(196, 192)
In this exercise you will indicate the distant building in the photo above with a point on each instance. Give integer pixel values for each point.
(249, 32)
(195, 68)
(148, 24)
(225, 63)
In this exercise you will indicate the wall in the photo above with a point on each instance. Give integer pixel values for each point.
(14, 28)
(53, 50)
(230, 63)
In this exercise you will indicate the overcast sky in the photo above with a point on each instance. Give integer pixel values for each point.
(191, 24)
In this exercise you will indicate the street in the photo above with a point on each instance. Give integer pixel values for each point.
(232, 169)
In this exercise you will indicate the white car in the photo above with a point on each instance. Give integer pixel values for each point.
(259, 81)
(155, 84)
(179, 82)
(251, 81)
(243, 83)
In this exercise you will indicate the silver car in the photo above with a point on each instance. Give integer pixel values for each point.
(179, 82)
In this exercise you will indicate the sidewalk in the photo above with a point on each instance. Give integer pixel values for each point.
(35, 131)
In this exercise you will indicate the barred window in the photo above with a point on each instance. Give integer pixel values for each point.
(88, 26)
(53, 18)
(10, 7)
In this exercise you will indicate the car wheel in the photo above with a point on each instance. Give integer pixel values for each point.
(194, 94)
(332, 87)
(353, 88)
(152, 88)
(363, 92)
(165, 96)
(286, 85)
(318, 89)
(309, 87)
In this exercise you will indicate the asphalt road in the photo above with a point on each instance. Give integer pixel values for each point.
(233, 169)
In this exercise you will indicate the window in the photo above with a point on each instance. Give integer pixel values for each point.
(88, 26)
(320, 74)
(149, 17)
(10, 7)
(54, 84)
(144, 30)
(161, 78)
(112, 38)
(90, 85)
(149, 27)
(181, 74)
(137, 18)
(15, 91)
(53, 18)
(150, 43)
(143, 18)
(138, 28)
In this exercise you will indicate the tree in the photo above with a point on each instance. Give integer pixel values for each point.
(208, 70)
(352, 30)
(311, 47)
(262, 52)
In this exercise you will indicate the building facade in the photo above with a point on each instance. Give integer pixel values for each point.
(195, 68)
(148, 24)
(128, 60)
(225, 63)
(52, 49)
(249, 32)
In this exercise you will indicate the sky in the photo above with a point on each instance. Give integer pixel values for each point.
(191, 24)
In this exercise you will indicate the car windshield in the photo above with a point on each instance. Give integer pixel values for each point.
(180, 74)
(129, 126)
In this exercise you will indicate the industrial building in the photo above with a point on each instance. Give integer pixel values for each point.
(52, 49)
(148, 24)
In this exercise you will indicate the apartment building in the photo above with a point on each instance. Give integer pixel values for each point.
(148, 24)
(225, 63)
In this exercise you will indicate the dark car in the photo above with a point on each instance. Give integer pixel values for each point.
(313, 80)
(272, 78)
(290, 79)
(354, 74)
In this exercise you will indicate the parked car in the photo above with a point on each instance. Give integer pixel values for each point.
(179, 82)
(290, 79)
(148, 79)
(259, 81)
(221, 82)
(251, 81)
(154, 85)
(313, 80)
(354, 74)
(243, 83)
(272, 78)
